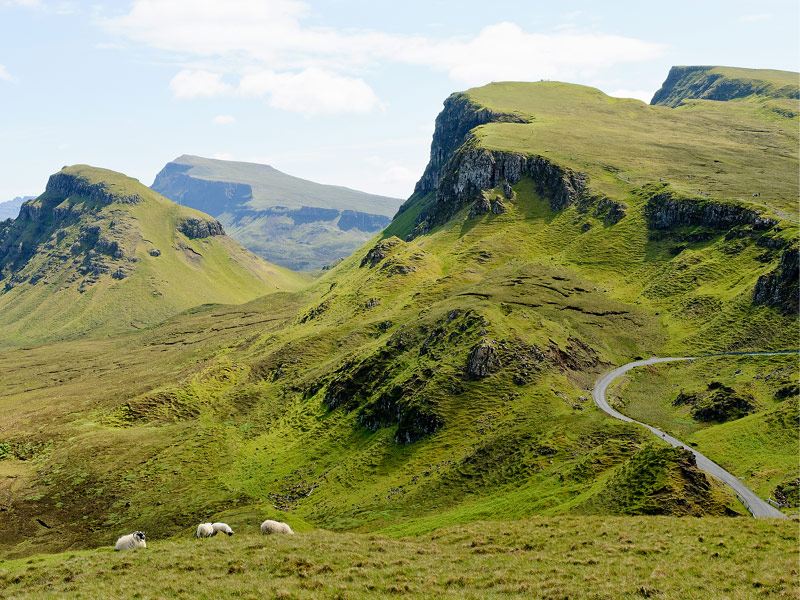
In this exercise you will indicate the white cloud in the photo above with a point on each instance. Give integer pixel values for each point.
(643, 95)
(5, 74)
(268, 45)
(196, 84)
(311, 91)
(25, 3)
(755, 17)
(224, 119)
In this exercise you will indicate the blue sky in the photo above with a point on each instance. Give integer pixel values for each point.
(343, 92)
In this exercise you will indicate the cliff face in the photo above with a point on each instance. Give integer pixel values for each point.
(453, 126)
(781, 288)
(667, 210)
(719, 83)
(212, 197)
(269, 215)
(460, 170)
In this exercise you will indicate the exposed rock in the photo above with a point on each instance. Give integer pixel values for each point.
(200, 228)
(667, 210)
(474, 170)
(483, 360)
(780, 288)
(353, 219)
(379, 251)
(372, 303)
(65, 185)
(453, 126)
(154, 252)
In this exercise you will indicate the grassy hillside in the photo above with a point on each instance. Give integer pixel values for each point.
(436, 377)
(118, 261)
(742, 412)
(549, 558)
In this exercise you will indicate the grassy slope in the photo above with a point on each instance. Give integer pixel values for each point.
(729, 149)
(188, 272)
(271, 187)
(761, 448)
(222, 410)
(548, 558)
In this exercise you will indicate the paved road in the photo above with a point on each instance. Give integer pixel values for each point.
(757, 507)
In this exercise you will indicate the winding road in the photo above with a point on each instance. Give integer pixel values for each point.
(757, 507)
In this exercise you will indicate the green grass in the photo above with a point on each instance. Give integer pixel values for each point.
(719, 148)
(549, 558)
(303, 402)
(52, 298)
(762, 448)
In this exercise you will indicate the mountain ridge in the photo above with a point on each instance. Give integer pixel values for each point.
(287, 220)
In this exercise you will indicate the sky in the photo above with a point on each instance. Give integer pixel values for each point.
(343, 92)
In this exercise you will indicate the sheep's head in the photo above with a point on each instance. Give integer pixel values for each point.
(229, 532)
(139, 535)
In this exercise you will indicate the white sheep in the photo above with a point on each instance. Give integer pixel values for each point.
(268, 527)
(222, 528)
(205, 530)
(131, 541)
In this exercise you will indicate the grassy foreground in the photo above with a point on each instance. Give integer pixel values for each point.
(566, 557)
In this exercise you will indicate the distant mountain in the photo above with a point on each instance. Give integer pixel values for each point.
(10, 209)
(99, 252)
(726, 83)
(286, 220)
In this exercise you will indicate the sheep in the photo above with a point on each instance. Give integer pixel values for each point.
(222, 527)
(131, 541)
(268, 527)
(205, 530)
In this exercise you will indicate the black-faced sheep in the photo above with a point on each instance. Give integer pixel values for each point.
(222, 528)
(269, 527)
(131, 541)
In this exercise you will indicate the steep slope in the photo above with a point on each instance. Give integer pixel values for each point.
(441, 373)
(289, 221)
(725, 83)
(99, 252)
(10, 209)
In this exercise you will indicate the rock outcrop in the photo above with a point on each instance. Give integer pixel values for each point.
(66, 185)
(667, 210)
(473, 170)
(200, 228)
(458, 118)
(780, 288)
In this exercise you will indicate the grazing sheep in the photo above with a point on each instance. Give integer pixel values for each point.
(268, 527)
(205, 530)
(222, 527)
(131, 541)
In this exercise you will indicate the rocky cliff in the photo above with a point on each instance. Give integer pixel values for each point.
(781, 288)
(722, 84)
(666, 209)
(289, 221)
(458, 118)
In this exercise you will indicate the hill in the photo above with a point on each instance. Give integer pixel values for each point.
(100, 253)
(726, 83)
(10, 209)
(441, 374)
(286, 220)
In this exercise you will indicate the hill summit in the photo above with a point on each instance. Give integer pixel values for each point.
(290, 221)
(100, 252)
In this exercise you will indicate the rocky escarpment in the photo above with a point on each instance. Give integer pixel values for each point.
(473, 170)
(212, 197)
(666, 209)
(453, 126)
(708, 83)
(200, 228)
(780, 288)
(66, 185)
